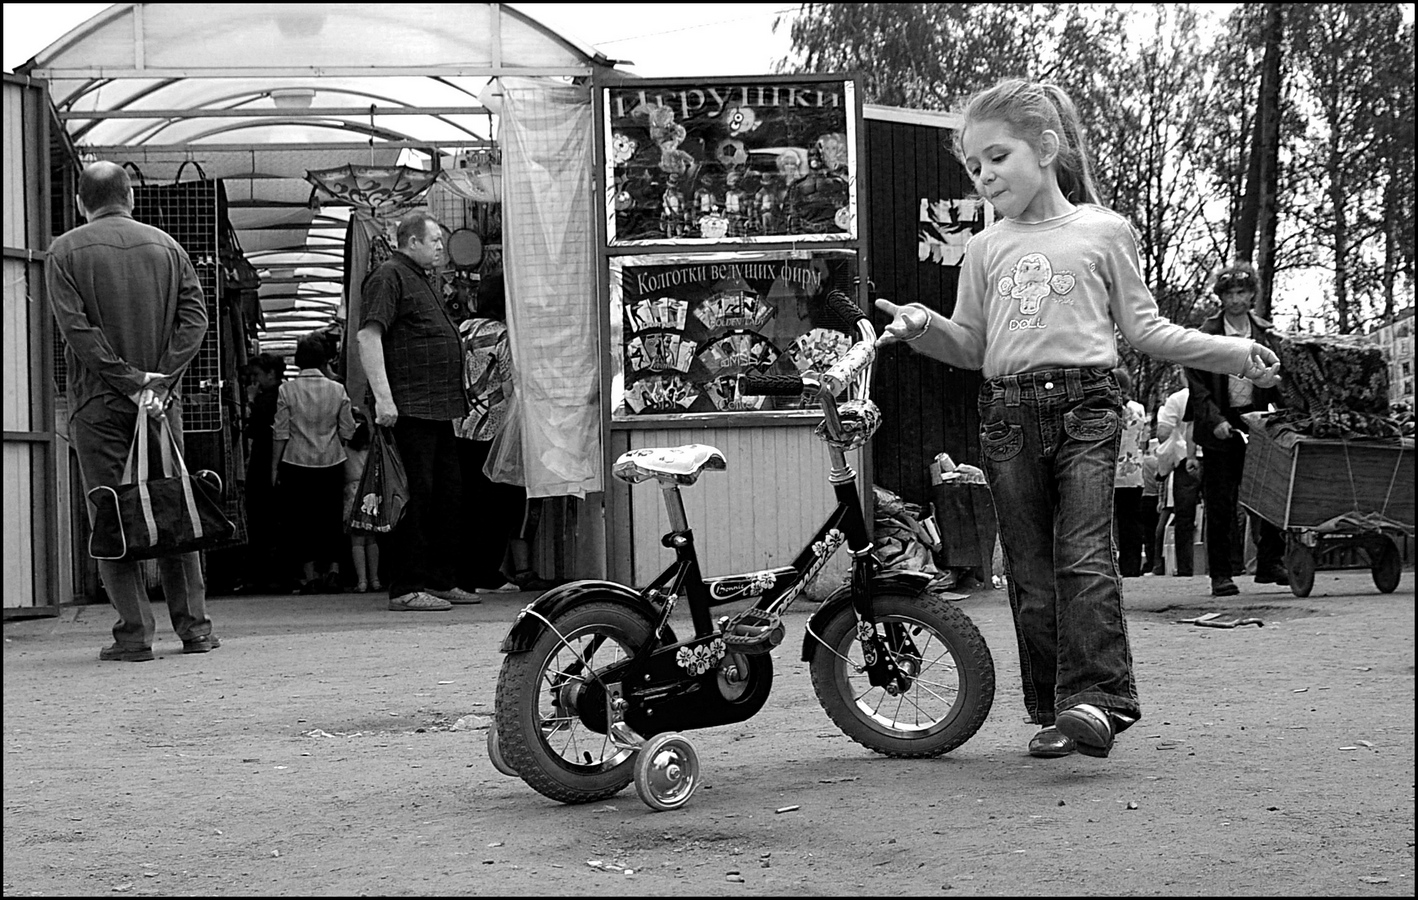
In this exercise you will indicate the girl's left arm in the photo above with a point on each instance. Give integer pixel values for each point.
(1134, 309)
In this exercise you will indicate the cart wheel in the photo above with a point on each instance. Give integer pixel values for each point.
(1386, 564)
(666, 771)
(1300, 565)
(494, 753)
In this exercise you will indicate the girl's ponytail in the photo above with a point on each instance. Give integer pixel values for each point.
(1075, 174)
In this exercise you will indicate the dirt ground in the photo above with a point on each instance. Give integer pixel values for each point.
(332, 748)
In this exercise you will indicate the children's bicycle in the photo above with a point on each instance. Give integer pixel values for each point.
(593, 666)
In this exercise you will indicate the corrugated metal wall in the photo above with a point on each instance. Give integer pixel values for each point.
(756, 515)
(30, 527)
(926, 407)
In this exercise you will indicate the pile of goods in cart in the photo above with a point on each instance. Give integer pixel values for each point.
(1337, 386)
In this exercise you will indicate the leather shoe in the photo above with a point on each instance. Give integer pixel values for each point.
(116, 653)
(1224, 587)
(1273, 575)
(1050, 743)
(456, 595)
(1089, 727)
(201, 644)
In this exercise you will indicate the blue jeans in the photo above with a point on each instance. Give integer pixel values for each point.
(1049, 442)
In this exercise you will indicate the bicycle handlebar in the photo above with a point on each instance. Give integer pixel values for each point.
(854, 366)
(759, 384)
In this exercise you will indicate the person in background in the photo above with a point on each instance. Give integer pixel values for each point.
(1216, 406)
(492, 509)
(1151, 546)
(1043, 293)
(413, 357)
(268, 566)
(364, 547)
(1127, 480)
(1179, 466)
(313, 419)
(127, 302)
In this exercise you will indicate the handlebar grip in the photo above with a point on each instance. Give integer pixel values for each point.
(849, 366)
(757, 383)
(844, 308)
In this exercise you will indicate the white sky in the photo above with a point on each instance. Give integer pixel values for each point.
(676, 39)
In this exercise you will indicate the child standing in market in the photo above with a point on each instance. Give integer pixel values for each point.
(364, 547)
(1040, 295)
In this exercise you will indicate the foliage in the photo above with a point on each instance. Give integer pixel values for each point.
(1170, 116)
(1346, 58)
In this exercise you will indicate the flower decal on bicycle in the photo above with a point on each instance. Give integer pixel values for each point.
(700, 659)
(866, 635)
(828, 545)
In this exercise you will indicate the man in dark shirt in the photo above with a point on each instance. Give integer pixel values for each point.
(412, 355)
(127, 301)
(1215, 406)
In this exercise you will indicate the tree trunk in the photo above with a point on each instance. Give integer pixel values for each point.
(1268, 150)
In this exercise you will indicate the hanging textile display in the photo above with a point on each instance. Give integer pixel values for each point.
(482, 184)
(549, 264)
(363, 236)
(379, 189)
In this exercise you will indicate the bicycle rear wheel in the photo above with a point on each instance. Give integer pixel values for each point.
(951, 678)
(551, 716)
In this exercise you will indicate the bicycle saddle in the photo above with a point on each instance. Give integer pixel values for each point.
(680, 465)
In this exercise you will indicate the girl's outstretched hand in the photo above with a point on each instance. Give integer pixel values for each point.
(907, 322)
(1262, 367)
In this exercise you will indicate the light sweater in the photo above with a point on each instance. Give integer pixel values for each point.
(1048, 294)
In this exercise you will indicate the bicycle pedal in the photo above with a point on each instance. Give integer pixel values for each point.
(754, 631)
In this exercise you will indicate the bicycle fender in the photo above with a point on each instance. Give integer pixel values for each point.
(894, 581)
(525, 629)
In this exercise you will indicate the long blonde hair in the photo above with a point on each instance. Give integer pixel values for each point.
(1030, 108)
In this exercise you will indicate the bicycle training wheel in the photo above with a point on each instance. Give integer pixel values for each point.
(951, 677)
(551, 711)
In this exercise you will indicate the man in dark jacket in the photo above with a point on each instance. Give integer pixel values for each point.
(127, 301)
(1215, 407)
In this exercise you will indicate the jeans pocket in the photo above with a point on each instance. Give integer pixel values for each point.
(1086, 423)
(1001, 441)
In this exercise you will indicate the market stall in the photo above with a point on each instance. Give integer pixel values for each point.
(731, 209)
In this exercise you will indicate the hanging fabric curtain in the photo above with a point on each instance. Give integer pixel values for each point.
(549, 261)
(381, 190)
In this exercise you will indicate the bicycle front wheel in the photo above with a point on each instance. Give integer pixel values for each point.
(950, 683)
(551, 709)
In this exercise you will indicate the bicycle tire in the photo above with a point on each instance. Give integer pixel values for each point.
(961, 670)
(531, 695)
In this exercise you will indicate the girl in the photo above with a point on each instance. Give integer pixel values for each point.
(1040, 294)
(364, 548)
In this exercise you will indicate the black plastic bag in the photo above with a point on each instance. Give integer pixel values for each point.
(383, 488)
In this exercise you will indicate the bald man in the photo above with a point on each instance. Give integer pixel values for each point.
(129, 306)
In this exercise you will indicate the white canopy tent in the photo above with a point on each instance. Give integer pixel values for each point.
(258, 94)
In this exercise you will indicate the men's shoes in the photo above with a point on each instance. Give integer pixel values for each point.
(418, 601)
(201, 644)
(1273, 575)
(456, 595)
(1224, 587)
(115, 653)
(1089, 727)
(1050, 743)
(506, 587)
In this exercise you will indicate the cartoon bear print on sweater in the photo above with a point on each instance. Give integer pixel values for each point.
(1032, 281)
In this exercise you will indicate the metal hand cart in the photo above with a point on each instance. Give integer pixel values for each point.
(1331, 495)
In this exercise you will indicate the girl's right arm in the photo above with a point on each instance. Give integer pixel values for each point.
(957, 341)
